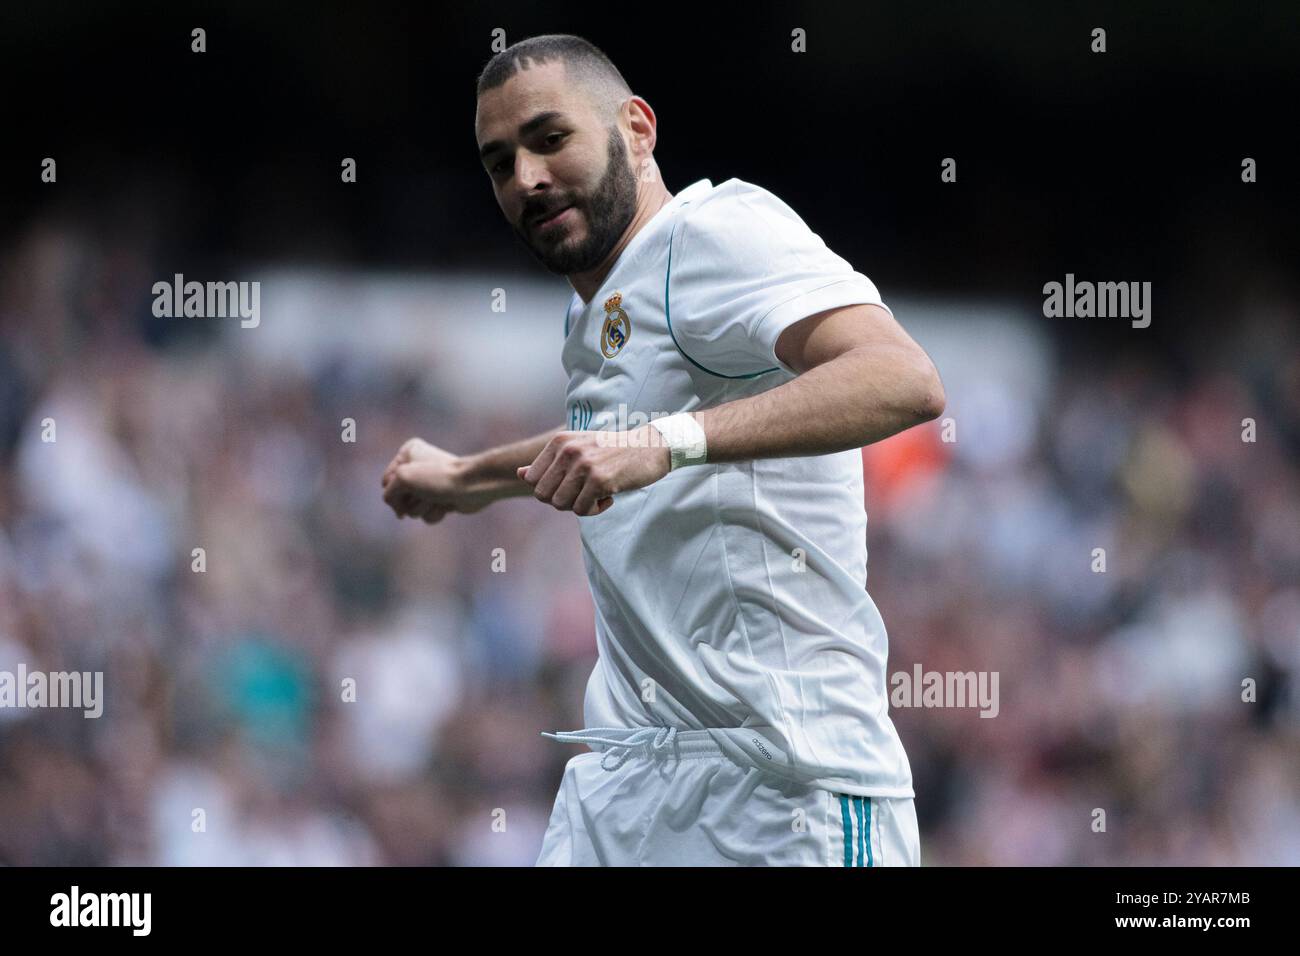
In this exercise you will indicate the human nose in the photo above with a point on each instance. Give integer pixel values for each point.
(530, 171)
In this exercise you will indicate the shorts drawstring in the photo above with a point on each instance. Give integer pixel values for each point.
(621, 742)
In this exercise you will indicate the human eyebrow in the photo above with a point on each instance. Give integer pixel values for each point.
(525, 128)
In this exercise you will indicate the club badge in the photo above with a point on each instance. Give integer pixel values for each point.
(618, 327)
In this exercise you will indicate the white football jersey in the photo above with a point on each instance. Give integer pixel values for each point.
(730, 597)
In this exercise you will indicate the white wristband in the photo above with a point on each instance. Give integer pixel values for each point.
(685, 438)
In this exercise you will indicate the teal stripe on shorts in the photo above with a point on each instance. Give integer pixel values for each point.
(863, 855)
(870, 862)
(848, 830)
(857, 808)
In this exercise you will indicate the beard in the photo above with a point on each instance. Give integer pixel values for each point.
(608, 211)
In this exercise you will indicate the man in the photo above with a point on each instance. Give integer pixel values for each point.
(738, 705)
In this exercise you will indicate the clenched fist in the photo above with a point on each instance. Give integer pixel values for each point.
(580, 471)
(424, 481)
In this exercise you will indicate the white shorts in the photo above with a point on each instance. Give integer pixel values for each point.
(688, 805)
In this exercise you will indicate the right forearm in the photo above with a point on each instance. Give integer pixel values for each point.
(492, 473)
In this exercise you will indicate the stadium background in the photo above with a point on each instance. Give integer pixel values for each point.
(1118, 690)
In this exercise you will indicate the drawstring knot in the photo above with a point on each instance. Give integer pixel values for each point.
(620, 742)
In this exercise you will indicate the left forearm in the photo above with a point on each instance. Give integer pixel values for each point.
(857, 398)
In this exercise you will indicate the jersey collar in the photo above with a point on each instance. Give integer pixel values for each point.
(693, 191)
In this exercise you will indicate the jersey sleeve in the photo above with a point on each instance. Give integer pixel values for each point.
(742, 268)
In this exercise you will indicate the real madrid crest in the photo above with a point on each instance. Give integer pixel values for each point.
(618, 327)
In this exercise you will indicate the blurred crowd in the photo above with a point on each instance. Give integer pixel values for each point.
(294, 676)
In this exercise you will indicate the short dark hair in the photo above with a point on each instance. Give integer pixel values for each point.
(583, 60)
